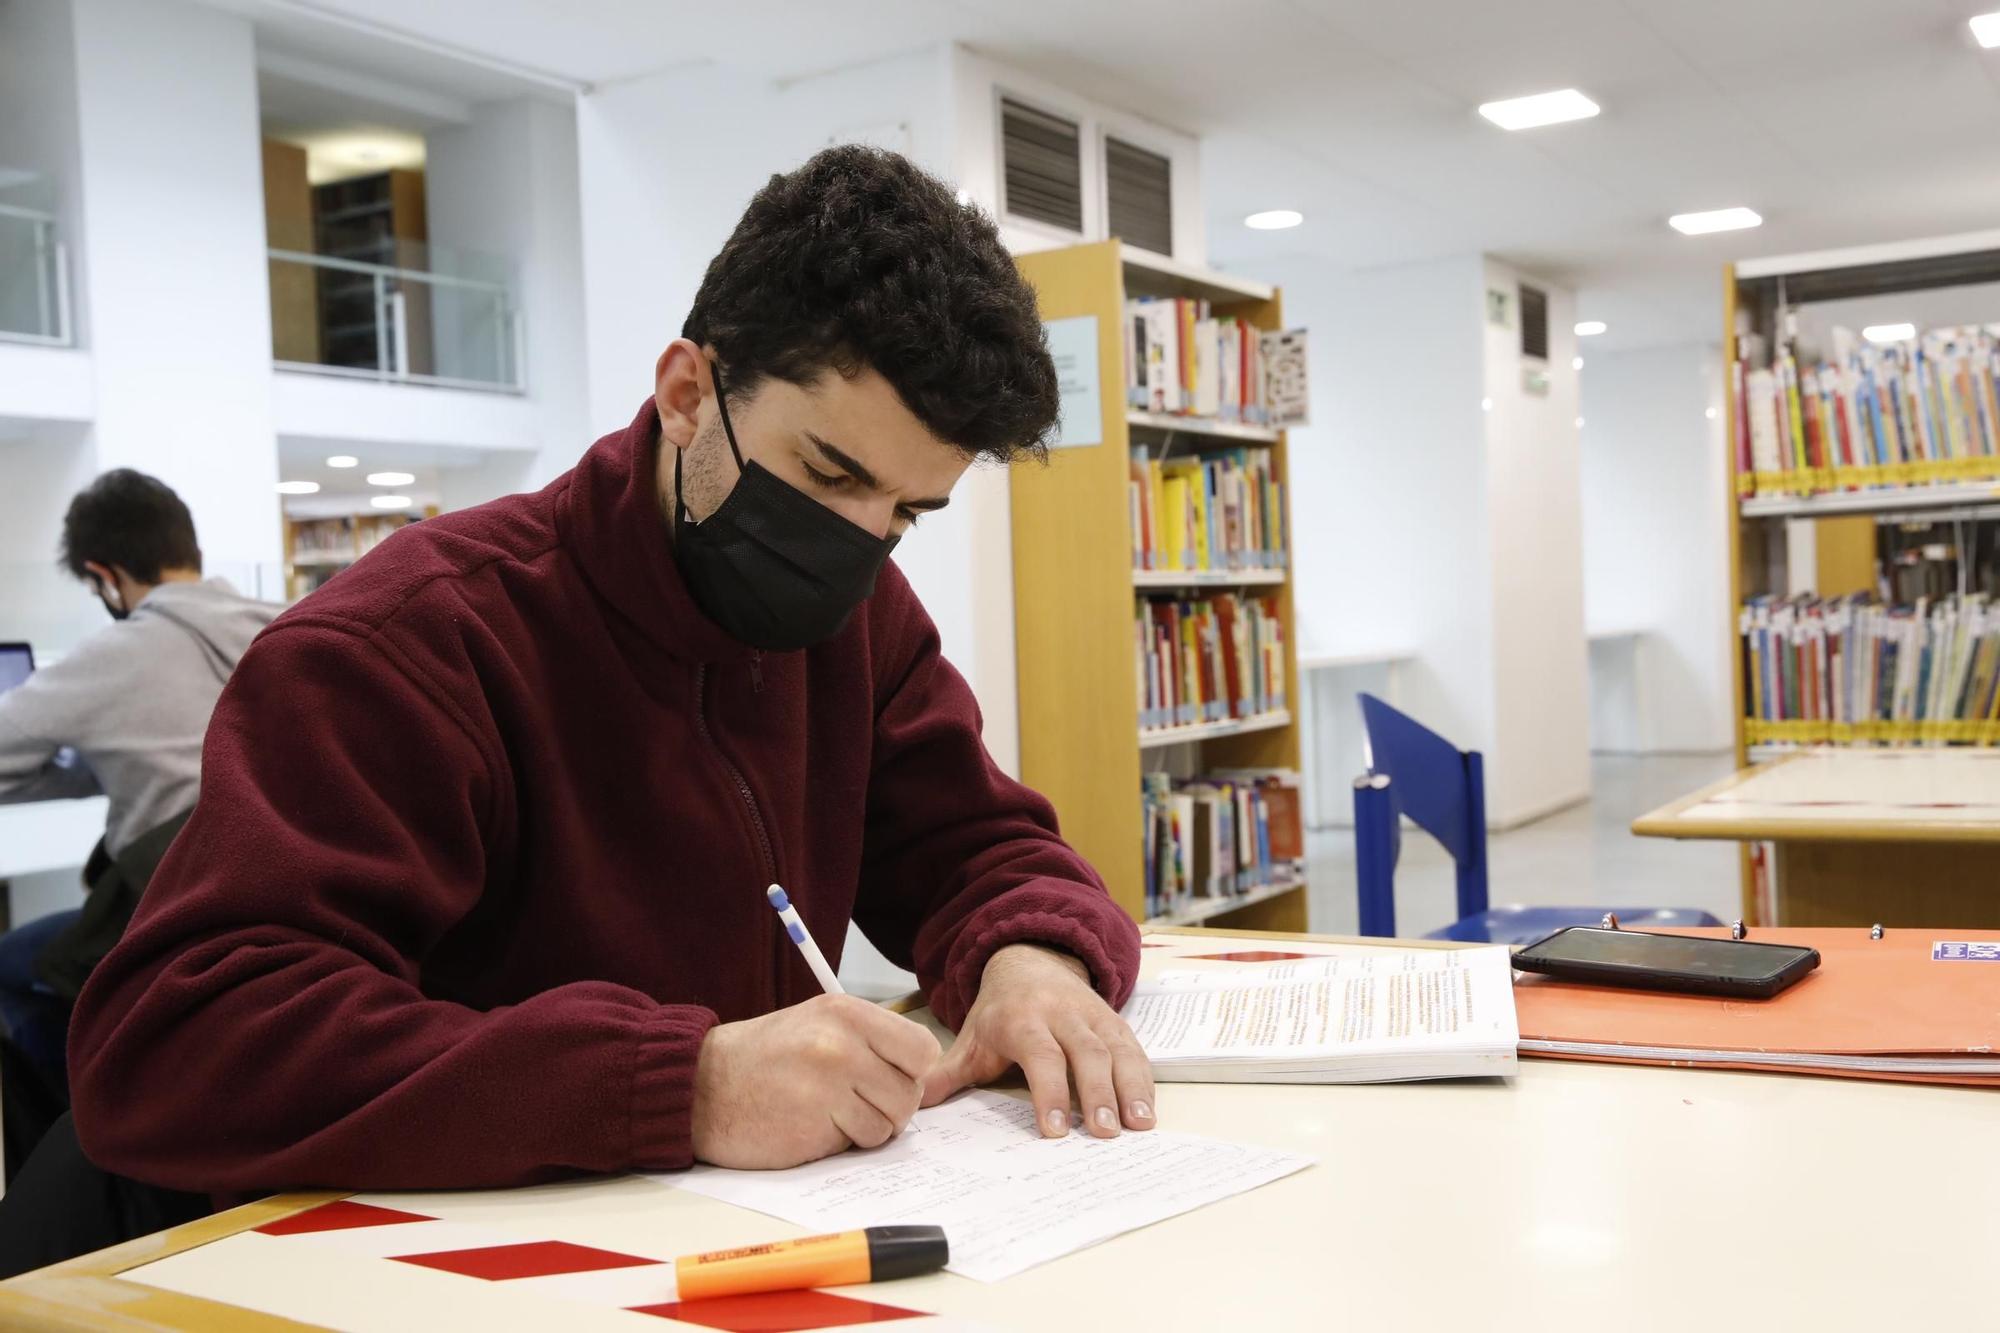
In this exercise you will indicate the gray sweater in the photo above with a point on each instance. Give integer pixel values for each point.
(134, 701)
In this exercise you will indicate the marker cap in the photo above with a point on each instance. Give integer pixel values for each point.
(895, 1252)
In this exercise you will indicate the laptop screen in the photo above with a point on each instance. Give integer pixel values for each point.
(17, 661)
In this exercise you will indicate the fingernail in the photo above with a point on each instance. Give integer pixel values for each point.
(1141, 1111)
(1105, 1118)
(1058, 1120)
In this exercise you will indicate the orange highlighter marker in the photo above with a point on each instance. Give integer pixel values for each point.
(875, 1254)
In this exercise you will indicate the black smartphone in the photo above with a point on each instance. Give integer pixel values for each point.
(1745, 969)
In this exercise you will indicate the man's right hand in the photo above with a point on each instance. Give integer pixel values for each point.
(807, 1082)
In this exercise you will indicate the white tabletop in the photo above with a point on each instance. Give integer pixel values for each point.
(49, 835)
(1866, 795)
(1572, 1196)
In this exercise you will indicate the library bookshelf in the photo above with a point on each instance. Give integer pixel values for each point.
(1075, 587)
(1830, 532)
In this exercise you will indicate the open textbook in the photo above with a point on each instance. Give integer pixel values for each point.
(1374, 1015)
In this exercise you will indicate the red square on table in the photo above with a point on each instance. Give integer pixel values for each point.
(340, 1215)
(778, 1311)
(536, 1258)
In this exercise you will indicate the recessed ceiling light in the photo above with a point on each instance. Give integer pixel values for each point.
(1986, 27)
(1889, 333)
(1486, 404)
(390, 501)
(343, 460)
(964, 198)
(1576, 363)
(1579, 423)
(1274, 219)
(1718, 219)
(391, 478)
(1710, 414)
(1526, 113)
(297, 487)
(1589, 328)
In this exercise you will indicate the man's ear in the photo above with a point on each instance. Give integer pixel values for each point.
(107, 579)
(681, 382)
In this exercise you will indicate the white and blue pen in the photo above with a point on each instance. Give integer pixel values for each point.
(803, 938)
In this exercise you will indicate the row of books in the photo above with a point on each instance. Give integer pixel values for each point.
(1213, 512)
(1207, 660)
(1184, 360)
(350, 536)
(1891, 414)
(1852, 669)
(1219, 835)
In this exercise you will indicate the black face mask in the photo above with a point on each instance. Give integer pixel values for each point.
(774, 567)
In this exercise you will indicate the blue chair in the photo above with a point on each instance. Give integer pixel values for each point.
(1416, 772)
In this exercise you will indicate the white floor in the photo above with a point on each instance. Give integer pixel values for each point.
(1585, 854)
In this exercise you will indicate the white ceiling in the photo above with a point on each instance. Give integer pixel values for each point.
(1841, 121)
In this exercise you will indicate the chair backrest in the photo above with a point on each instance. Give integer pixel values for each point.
(1440, 787)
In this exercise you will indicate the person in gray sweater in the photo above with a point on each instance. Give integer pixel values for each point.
(123, 714)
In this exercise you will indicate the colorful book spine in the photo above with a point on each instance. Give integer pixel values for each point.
(1852, 670)
(1210, 659)
(1211, 513)
(1921, 412)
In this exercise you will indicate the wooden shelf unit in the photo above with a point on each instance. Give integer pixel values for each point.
(1755, 296)
(1074, 590)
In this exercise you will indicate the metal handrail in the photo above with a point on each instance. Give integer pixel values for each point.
(387, 271)
(31, 214)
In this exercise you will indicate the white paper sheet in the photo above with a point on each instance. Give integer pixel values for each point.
(1007, 1198)
(1382, 1003)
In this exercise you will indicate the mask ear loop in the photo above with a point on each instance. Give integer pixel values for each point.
(681, 516)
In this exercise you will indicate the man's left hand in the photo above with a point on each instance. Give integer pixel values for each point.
(1036, 1009)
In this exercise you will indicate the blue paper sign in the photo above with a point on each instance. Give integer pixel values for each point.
(1073, 347)
(1965, 951)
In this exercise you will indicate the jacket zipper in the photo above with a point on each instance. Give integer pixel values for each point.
(750, 804)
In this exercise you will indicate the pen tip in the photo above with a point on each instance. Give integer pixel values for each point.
(777, 897)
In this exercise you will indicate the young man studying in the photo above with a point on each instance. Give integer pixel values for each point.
(474, 894)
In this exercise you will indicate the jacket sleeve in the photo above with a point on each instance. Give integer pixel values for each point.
(260, 1026)
(958, 859)
(37, 718)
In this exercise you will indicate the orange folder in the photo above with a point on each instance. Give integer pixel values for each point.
(1919, 1005)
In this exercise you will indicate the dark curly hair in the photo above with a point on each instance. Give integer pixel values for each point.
(128, 519)
(861, 259)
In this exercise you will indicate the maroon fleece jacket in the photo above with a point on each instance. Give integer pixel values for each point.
(481, 849)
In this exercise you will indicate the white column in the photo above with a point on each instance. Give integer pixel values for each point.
(1540, 760)
(178, 298)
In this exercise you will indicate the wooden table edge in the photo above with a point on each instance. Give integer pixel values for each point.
(1802, 830)
(88, 1292)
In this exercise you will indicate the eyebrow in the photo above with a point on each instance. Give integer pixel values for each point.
(854, 468)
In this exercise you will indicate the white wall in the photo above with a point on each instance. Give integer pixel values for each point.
(1540, 759)
(1389, 516)
(40, 602)
(1656, 548)
(505, 185)
(179, 307)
